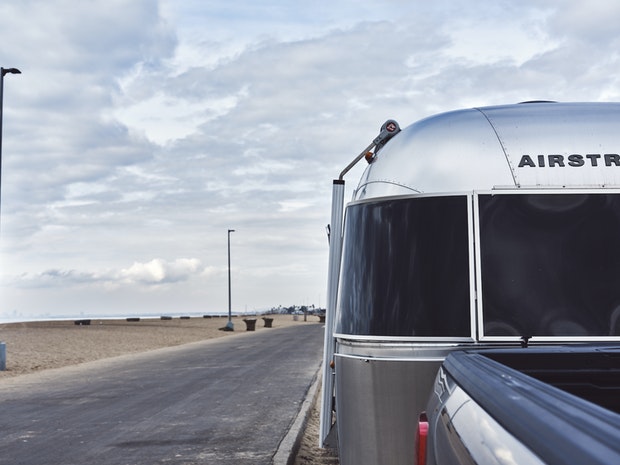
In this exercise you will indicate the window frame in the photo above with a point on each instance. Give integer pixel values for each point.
(470, 338)
(481, 336)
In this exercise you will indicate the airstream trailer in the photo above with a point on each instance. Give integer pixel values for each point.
(495, 225)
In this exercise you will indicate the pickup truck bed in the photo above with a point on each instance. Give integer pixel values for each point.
(551, 405)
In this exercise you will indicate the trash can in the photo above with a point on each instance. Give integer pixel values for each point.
(268, 321)
(250, 324)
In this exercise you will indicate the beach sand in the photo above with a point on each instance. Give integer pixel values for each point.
(36, 346)
(41, 345)
(309, 452)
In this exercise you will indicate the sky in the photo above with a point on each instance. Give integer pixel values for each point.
(141, 131)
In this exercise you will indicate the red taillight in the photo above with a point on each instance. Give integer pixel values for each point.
(420, 439)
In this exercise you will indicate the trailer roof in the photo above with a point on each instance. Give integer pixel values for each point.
(527, 145)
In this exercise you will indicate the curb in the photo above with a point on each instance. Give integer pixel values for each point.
(289, 446)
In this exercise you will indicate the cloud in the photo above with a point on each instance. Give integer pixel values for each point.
(594, 22)
(154, 272)
(88, 38)
(158, 271)
(143, 129)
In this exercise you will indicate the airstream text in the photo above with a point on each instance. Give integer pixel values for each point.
(575, 160)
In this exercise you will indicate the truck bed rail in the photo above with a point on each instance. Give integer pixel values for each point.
(557, 426)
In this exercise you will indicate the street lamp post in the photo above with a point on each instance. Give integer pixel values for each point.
(229, 325)
(3, 72)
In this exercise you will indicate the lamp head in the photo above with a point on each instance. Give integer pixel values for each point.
(10, 71)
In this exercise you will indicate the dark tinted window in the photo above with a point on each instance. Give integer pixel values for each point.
(550, 264)
(405, 269)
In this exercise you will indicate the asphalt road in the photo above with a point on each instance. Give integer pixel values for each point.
(226, 401)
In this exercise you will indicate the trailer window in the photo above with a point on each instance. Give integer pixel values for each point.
(405, 268)
(550, 264)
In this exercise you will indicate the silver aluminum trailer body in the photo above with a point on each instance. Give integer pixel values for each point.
(447, 243)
